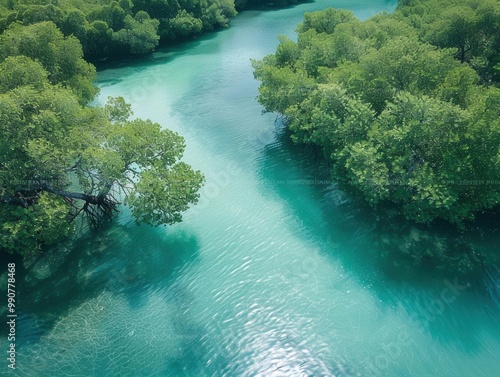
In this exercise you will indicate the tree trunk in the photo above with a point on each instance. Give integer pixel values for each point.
(91, 199)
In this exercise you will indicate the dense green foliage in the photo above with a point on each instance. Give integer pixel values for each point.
(405, 106)
(470, 27)
(108, 28)
(104, 28)
(60, 158)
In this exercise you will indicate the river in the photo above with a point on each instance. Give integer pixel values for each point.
(274, 273)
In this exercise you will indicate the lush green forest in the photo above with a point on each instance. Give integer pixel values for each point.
(405, 106)
(61, 160)
(120, 28)
(109, 28)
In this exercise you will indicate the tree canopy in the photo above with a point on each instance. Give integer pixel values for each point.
(110, 28)
(405, 106)
(61, 160)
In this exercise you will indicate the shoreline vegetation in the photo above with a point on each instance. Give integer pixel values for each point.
(405, 106)
(61, 160)
(118, 29)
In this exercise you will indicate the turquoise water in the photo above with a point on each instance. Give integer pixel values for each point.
(274, 273)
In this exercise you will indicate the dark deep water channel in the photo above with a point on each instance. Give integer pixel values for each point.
(274, 273)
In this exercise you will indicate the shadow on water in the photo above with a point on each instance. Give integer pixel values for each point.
(162, 55)
(123, 260)
(445, 279)
(273, 6)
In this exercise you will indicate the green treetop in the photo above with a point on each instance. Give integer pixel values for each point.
(403, 121)
(61, 160)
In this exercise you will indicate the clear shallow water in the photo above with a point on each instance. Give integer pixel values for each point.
(273, 273)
